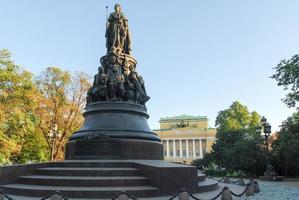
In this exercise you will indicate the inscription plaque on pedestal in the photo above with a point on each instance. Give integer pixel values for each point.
(98, 148)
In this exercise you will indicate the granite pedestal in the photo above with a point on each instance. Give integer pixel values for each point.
(114, 130)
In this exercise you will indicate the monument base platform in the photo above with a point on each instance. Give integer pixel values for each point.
(113, 148)
(102, 179)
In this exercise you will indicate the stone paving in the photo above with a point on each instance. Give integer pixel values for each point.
(208, 195)
(204, 195)
(269, 191)
(291, 184)
(277, 191)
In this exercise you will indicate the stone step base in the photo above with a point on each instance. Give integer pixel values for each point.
(97, 181)
(87, 171)
(207, 185)
(201, 177)
(94, 163)
(88, 179)
(79, 192)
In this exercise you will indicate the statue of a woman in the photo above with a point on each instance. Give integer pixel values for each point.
(117, 32)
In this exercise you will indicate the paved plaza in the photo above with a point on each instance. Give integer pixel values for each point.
(269, 190)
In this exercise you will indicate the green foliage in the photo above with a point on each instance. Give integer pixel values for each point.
(17, 106)
(206, 162)
(287, 75)
(237, 117)
(215, 172)
(53, 83)
(238, 146)
(7, 147)
(285, 149)
(29, 108)
(237, 150)
(34, 149)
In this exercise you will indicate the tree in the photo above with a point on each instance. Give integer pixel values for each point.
(17, 117)
(29, 109)
(238, 146)
(285, 149)
(287, 75)
(61, 104)
(237, 117)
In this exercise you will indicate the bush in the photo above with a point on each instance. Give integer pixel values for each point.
(206, 162)
(215, 172)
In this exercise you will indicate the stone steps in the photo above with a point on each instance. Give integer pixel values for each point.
(201, 177)
(207, 185)
(79, 179)
(90, 163)
(78, 192)
(87, 171)
(98, 181)
(101, 179)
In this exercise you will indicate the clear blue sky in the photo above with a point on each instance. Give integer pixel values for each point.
(196, 57)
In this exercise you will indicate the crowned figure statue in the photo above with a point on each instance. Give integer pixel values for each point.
(117, 32)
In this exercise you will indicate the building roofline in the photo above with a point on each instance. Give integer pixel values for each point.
(183, 117)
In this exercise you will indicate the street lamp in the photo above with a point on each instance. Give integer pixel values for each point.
(53, 135)
(266, 128)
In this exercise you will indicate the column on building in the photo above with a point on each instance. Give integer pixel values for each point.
(173, 148)
(171, 153)
(181, 148)
(187, 148)
(167, 148)
(200, 148)
(190, 144)
(164, 148)
(193, 146)
(184, 148)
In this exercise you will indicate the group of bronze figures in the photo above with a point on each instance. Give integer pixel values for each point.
(117, 79)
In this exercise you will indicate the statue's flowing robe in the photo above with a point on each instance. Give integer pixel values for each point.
(117, 33)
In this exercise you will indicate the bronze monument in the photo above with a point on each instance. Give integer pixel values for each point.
(115, 111)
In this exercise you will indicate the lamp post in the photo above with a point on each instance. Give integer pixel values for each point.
(266, 128)
(53, 135)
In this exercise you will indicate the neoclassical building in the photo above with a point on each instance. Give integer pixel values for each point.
(185, 138)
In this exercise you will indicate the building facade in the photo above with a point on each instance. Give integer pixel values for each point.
(185, 138)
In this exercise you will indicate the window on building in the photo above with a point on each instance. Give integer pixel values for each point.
(171, 148)
(164, 147)
(197, 148)
(177, 148)
(184, 148)
(204, 147)
(177, 153)
(184, 153)
(190, 145)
